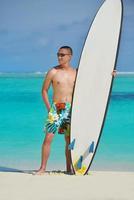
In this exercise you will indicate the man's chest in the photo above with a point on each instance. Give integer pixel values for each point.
(64, 78)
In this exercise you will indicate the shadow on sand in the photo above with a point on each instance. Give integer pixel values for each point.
(8, 169)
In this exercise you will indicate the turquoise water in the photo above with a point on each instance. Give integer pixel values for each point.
(22, 116)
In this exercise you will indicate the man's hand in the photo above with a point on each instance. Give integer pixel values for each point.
(114, 73)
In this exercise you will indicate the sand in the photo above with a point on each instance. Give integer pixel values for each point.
(97, 185)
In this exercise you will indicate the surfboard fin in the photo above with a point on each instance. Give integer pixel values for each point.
(71, 145)
(79, 163)
(91, 148)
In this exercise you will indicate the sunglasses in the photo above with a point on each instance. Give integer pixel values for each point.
(62, 54)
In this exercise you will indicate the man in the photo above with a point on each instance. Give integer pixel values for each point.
(62, 78)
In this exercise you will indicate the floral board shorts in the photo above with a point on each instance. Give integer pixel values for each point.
(59, 118)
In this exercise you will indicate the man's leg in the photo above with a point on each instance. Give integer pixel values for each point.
(68, 154)
(45, 152)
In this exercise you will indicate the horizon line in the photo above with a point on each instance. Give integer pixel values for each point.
(40, 72)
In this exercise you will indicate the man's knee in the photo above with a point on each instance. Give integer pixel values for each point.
(48, 138)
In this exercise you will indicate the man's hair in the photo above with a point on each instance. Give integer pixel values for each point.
(67, 47)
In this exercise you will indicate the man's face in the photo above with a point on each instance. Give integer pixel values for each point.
(64, 56)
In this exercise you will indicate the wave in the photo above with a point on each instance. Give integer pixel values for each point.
(125, 73)
(23, 74)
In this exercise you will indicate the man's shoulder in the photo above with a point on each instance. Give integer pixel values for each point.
(52, 71)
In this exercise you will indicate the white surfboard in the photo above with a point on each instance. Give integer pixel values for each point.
(93, 84)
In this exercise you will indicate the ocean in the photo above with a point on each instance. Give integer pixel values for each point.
(22, 117)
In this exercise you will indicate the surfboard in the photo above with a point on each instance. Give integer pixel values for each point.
(93, 84)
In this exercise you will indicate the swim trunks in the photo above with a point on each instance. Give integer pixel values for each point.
(59, 118)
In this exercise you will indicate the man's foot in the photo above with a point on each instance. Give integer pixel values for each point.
(69, 172)
(40, 172)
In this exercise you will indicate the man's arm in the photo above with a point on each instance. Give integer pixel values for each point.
(114, 73)
(45, 87)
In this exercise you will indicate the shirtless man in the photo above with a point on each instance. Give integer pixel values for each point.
(62, 78)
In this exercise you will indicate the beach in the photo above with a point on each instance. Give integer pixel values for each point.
(97, 185)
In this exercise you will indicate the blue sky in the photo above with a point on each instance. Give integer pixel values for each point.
(31, 31)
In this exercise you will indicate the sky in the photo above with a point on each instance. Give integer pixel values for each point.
(31, 31)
